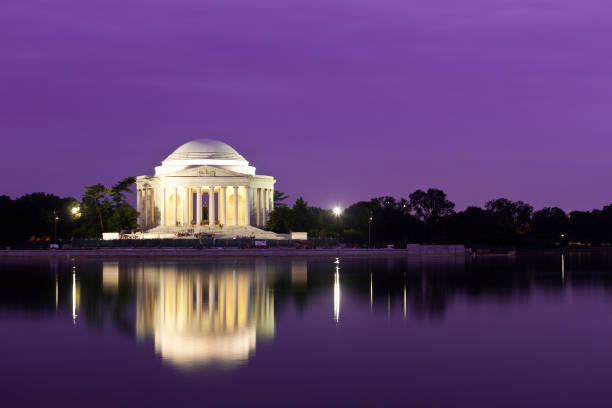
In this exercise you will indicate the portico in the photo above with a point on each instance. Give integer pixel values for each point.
(204, 184)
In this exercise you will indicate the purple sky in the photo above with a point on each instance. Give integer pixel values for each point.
(339, 100)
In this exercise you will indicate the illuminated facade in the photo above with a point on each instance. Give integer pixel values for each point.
(204, 184)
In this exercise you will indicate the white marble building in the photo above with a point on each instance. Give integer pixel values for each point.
(204, 184)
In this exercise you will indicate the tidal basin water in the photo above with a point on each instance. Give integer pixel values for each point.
(524, 331)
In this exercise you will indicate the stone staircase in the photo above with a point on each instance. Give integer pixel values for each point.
(226, 232)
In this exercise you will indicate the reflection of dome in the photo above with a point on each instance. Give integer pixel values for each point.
(203, 151)
(196, 349)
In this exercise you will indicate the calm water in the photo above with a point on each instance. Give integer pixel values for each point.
(530, 331)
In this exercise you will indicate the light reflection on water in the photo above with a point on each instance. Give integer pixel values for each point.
(199, 316)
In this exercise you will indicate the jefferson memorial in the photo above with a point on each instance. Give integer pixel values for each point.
(204, 185)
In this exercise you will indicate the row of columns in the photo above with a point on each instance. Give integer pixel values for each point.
(211, 205)
(263, 203)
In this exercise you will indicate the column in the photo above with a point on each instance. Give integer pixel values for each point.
(211, 206)
(139, 206)
(152, 207)
(190, 205)
(199, 209)
(264, 207)
(186, 207)
(223, 205)
(247, 204)
(259, 202)
(175, 211)
(162, 209)
(236, 206)
(271, 200)
(145, 217)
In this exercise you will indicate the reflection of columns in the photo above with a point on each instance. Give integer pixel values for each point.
(247, 205)
(211, 206)
(186, 206)
(223, 205)
(175, 210)
(162, 209)
(236, 206)
(199, 209)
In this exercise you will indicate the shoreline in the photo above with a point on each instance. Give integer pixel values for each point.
(219, 253)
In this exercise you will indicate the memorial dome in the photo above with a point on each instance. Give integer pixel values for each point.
(205, 150)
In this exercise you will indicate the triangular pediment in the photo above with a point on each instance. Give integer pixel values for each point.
(206, 171)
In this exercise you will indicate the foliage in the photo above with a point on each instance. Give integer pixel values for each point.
(33, 216)
(431, 206)
(279, 198)
(426, 217)
(106, 209)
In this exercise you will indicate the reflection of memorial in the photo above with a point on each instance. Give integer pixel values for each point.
(197, 317)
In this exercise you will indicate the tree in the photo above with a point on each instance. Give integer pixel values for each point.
(117, 192)
(431, 206)
(33, 215)
(107, 209)
(280, 219)
(517, 214)
(279, 197)
(477, 226)
(300, 216)
(95, 199)
(550, 225)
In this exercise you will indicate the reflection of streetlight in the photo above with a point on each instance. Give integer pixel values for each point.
(337, 294)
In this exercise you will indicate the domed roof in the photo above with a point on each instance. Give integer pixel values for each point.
(205, 149)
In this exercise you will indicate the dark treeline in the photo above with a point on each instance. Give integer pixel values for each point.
(41, 216)
(424, 217)
(429, 217)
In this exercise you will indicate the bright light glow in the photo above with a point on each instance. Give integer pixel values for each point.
(74, 298)
(337, 211)
(74, 210)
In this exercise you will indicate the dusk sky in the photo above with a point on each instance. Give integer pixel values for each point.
(340, 101)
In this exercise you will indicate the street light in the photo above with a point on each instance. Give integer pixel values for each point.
(55, 218)
(370, 230)
(337, 212)
(76, 211)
